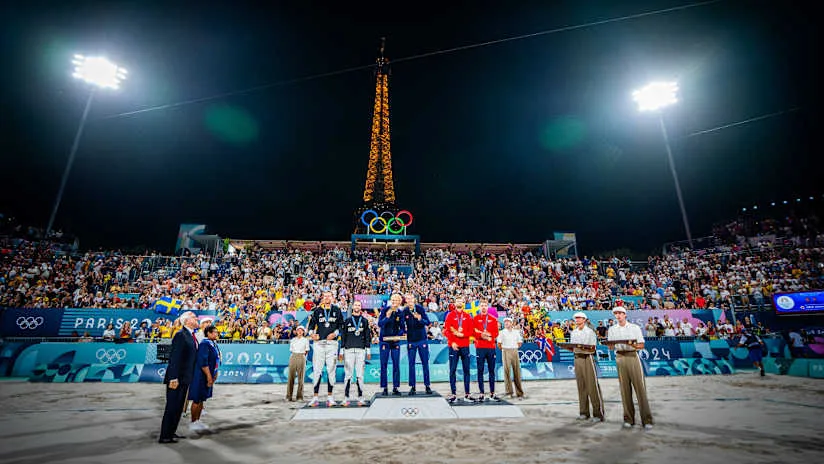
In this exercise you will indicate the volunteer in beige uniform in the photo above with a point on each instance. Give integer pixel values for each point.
(585, 370)
(630, 370)
(509, 340)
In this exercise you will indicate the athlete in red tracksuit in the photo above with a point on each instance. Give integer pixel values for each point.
(486, 334)
(458, 327)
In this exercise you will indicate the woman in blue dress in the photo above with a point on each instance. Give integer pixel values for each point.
(205, 375)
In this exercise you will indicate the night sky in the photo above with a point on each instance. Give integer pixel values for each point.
(506, 142)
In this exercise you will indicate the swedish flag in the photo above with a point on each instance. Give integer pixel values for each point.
(472, 307)
(233, 309)
(167, 305)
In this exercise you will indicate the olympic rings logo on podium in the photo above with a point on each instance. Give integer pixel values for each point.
(386, 221)
(410, 412)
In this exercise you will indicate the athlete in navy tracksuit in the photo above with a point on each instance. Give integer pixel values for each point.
(391, 324)
(416, 320)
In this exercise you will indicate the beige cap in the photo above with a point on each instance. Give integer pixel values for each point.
(619, 309)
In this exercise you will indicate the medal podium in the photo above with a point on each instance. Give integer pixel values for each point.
(404, 407)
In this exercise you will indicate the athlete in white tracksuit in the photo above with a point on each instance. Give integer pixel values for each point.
(357, 341)
(325, 325)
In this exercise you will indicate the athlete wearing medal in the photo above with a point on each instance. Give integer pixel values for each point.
(325, 324)
(391, 325)
(458, 327)
(486, 335)
(356, 341)
(417, 344)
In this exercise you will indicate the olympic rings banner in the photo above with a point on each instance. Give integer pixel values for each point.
(386, 222)
(63, 322)
(252, 363)
(30, 322)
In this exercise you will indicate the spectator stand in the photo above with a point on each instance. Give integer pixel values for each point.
(385, 241)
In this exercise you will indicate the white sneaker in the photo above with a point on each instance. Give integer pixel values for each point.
(627, 425)
(197, 426)
(648, 427)
(346, 403)
(468, 399)
(203, 412)
(582, 417)
(331, 403)
(596, 419)
(313, 402)
(361, 402)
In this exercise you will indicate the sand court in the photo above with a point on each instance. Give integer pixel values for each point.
(735, 418)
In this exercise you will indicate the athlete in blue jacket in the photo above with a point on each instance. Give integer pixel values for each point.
(416, 320)
(391, 325)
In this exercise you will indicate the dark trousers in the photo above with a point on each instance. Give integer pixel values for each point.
(391, 350)
(415, 348)
(463, 354)
(175, 400)
(486, 358)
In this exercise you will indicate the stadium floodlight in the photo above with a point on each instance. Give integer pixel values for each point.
(656, 95)
(653, 98)
(101, 74)
(98, 71)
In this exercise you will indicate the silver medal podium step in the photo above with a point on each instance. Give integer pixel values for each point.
(404, 407)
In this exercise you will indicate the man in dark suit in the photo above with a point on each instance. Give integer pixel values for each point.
(178, 376)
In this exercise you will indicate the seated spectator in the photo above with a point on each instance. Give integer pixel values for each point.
(109, 334)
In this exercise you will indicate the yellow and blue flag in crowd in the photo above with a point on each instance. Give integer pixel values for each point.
(168, 305)
(472, 307)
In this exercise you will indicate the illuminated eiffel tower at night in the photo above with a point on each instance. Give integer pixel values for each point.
(379, 213)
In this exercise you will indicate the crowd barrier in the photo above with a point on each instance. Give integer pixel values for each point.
(267, 363)
(797, 367)
(20, 322)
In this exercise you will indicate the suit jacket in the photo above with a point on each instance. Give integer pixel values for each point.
(182, 358)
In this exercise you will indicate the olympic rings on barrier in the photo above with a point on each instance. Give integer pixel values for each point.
(386, 221)
(410, 412)
(29, 322)
(110, 356)
(530, 356)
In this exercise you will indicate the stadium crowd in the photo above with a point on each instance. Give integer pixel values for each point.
(244, 288)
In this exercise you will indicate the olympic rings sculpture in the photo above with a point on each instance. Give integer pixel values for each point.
(410, 412)
(29, 322)
(386, 221)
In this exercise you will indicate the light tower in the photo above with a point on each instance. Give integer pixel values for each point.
(655, 97)
(99, 73)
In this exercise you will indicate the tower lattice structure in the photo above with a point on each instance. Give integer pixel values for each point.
(379, 190)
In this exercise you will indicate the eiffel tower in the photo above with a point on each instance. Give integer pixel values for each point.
(379, 191)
